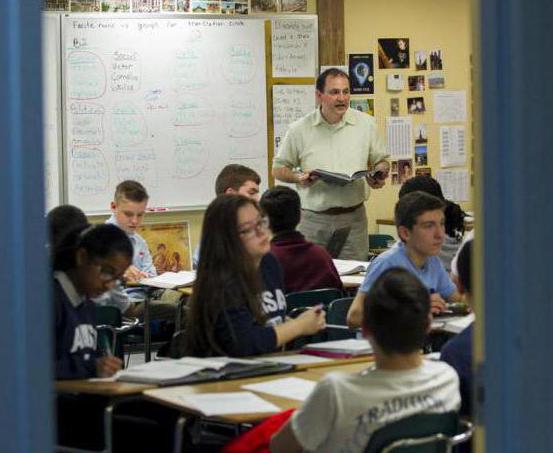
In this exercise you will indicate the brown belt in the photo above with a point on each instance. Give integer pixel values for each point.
(337, 210)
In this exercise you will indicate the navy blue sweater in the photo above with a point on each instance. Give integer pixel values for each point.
(238, 333)
(75, 351)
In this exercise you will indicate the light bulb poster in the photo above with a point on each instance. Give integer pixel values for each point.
(361, 73)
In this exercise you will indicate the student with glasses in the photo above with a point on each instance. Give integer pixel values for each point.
(88, 261)
(238, 305)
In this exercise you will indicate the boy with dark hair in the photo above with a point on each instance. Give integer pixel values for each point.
(305, 265)
(234, 179)
(458, 351)
(419, 218)
(344, 410)
(238, 179)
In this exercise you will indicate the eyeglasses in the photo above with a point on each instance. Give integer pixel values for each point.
(108, 274)
(259, 227)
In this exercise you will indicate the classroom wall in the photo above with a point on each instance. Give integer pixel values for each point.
(433, 24)
(429, 24)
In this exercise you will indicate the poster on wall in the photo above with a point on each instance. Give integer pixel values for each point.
(361, 72)
(169, 245)
(393, 53)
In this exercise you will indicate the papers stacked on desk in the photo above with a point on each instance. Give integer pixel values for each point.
(347, 267)
(339, 349)
(292, 388)
(170, 280)
(190, 370)
(229, 403)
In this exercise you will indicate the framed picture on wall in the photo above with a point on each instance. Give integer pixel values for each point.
(169, 244)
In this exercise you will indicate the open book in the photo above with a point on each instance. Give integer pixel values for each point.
(170, 280)
(340, 179)
(188, 370)
(347, 267)
(339, 348)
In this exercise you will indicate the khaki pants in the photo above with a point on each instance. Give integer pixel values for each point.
(318, 228)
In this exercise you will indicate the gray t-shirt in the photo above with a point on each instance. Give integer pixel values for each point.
(345, 409)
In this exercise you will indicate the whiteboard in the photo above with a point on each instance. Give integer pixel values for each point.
(167, 101)
(51, 101)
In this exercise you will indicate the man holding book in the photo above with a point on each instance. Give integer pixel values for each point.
(338, 139)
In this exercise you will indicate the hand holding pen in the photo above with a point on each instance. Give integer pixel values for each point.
(304, 177)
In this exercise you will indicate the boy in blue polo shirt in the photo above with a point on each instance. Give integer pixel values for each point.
(420, 221)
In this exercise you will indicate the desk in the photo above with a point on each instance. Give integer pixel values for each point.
(101, 388)
(171, 396)
(352, 367)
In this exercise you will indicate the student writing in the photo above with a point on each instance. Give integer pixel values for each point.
(238, 306)
(87, 262)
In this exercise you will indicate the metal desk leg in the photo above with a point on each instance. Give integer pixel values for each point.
(147, 329)
(179, 432)
(108, 429)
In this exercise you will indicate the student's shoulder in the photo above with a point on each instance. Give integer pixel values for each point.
(269, 263)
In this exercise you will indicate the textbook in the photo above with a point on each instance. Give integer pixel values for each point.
(170, 280)
(339, 349)
(342, 179)
(191, 370)
(347, 267)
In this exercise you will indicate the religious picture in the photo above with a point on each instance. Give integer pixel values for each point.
(169, 244)
(183, 6)
(393, 53)
(168, 5)
(56, 5)
(86, 6)
(293, 6)
(264, 6)
(146, 6)
(116, 6)
(361, 73)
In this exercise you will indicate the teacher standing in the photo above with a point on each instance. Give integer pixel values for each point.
(335, 138)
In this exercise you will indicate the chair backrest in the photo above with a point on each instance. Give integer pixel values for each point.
(108, 320)
(312, 297)
(337, 241)
(420, 433)
(337, 315)
(379, 241)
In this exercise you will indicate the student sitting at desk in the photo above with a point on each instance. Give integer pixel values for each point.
(87, 262)
(458, 351)
(454, 215)
(233, 310)
(419, 219)
(61, 220)
(344, 410)
(305, 265)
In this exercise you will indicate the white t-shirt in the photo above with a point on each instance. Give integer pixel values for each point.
(345, 409)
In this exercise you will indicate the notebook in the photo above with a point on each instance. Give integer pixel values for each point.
(347, 267)
(170, 280)
(351, 347)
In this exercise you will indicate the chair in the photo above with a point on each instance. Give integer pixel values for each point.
(110, 325)
(312, 297)
(379, 241)
(421, 433)
(336, 315)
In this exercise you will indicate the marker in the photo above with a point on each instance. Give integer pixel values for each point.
(157, 209)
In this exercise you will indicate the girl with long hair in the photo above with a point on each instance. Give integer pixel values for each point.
(238, 306)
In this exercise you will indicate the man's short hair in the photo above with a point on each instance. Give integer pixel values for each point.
(283, 207)
(397, 312)
(412, 205)
(234, 176)
(464, 266)
(330, 72)
(131, 191)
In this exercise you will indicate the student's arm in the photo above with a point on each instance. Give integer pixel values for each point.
(308, 323)
(355, 312)
(284, 441)
(108, 366)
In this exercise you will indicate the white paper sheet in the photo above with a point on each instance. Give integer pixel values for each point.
(228, 403)
(352, 279)
(452, 146)
(450, 106)
(455, 184)
(297, 359)
(294, 47)
(345, 267)
(293, 388)
(399, 136)
(290, 103)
